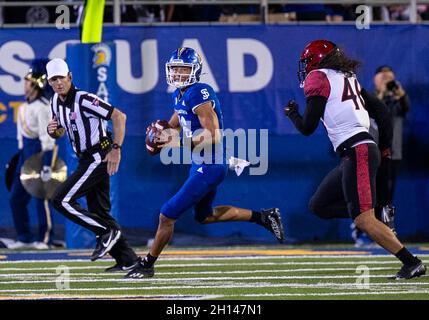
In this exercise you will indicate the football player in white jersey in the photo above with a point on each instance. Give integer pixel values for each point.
(33, 117)
(335, 97)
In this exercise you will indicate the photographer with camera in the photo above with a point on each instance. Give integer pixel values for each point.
(390, 91)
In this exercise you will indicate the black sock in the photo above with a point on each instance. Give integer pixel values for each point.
(256, 217)
(406, 257)
(149, 260)
(377, 211)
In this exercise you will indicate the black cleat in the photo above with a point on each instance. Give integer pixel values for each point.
(115, 268)
(272, 221)
(118, 267)
(388, 217)
(105, 242)
(140, 272)
(408, 272)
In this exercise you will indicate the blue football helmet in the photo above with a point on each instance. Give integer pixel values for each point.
(183, 57)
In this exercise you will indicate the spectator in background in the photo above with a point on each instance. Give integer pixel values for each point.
(239, 13)
(34, 14)
(192, 13)
(1, 15)
(336, 13)
(403, 12)
(390, 91)
(149, 13)
(424, 12)
(308, 12)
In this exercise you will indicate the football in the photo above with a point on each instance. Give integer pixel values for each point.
(162, 125)
(154, 136)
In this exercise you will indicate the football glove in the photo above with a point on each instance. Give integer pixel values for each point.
(291, 107)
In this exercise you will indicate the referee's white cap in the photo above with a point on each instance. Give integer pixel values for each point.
(57, 67)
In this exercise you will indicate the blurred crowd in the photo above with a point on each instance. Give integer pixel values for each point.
(214, 13)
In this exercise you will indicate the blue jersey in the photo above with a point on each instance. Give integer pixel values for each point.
(185, 107)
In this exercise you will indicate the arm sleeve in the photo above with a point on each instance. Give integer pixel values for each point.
(314, 111)
(96, 106)
(379, 112)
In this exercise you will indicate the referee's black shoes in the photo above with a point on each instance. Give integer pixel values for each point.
(408, 272)
(272, 221)
(140, 272)
(105, 242)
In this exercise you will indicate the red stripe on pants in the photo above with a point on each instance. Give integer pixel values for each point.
(363, 182)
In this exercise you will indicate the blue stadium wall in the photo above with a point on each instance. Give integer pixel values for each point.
(254, 70)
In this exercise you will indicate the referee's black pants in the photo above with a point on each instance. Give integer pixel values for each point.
(92, 181)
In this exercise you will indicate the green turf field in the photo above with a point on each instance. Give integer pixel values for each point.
(266, 273)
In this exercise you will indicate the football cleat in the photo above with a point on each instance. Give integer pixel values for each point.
(140, 272)
(409, 272)
(272, 221)
(118, 267)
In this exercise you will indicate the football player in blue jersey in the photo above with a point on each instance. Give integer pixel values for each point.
(197, 113)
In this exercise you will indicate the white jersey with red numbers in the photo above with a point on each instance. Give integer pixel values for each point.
(345, 114)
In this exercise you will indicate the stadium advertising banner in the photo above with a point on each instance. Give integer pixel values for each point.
(252, 68)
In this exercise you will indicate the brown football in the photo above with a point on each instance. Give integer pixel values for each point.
(152, 141)
(153, 135)
(162, 125)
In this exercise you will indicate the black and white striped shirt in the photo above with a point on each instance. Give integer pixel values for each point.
(84, 116)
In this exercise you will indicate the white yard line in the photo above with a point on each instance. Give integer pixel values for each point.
(212, 258)
(353, 286)
(119, 296)
(163, 265)
(366, 293)
(215, 258)
(75, 274)
(200, 297)
(122, 280)
(48, 261)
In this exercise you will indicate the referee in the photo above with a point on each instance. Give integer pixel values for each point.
(84, 116)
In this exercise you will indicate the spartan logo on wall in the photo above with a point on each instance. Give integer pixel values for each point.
(102, 55)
